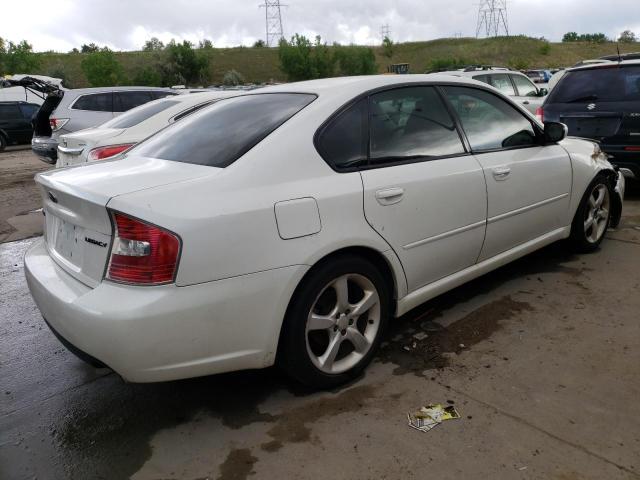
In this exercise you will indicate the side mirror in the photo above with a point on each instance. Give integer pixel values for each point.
(543, 92)
(554, 132)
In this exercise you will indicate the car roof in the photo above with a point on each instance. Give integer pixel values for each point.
(113, 89)
(360, 84)
(604, 64)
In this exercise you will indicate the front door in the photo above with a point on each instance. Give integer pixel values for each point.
(528, 182)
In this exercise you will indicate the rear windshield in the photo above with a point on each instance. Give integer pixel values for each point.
(608, 84)
(220, 134)
(140, 114)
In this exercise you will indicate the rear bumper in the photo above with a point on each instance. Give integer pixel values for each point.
(150, 334)
(45, 148)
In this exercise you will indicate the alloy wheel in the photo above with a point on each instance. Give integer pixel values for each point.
(343, 323)
(597, 213)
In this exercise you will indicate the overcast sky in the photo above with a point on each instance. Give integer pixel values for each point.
(125, 24)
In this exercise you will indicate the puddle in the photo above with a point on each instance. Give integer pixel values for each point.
(238, 465)
(412, 353)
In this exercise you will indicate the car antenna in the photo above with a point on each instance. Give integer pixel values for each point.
(618, 49)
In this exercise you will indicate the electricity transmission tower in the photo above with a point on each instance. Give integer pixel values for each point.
(492, 18)
(273, 22)
(385, 32)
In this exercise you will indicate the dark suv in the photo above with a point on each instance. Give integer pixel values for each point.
(15, 122)
(602, 102)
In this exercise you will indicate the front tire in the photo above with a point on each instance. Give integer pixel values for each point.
(593, 216)
(334, 322)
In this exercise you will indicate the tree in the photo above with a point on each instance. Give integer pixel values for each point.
(205, 44)
(92, 47)
(259, 44)
(19, 58)
(387, 47)
(627, 37)
(302, 60)
(153, 45)
(183, 65)
(355, 60)
(232, 78)
(102, 69)
(570, 37)
(74, 50)
(148, 77)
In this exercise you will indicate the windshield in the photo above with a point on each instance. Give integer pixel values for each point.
(220, 134)
(608, 84)
(139, 114)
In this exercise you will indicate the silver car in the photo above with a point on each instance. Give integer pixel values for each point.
(66, 111)
(510, 82)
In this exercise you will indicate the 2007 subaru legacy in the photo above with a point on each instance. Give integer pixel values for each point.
(291, 224)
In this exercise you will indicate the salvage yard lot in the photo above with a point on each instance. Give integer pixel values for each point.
(541, 358)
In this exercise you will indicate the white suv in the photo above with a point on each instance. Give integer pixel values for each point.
(510, 82)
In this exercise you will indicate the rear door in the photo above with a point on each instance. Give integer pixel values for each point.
(89, 110)
(423, 193)
(13, 123)
(528, 183)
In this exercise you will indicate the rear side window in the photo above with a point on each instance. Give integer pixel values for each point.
(608, 84)
(10, 111)
(220, 134)
(29, 110)
(140, 114)
(411, 123)
(343, 143)
(489, 122)
(96, 102)
(123, 101)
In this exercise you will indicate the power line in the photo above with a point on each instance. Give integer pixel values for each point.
(273, 22)
(385, 32)
(492, 18)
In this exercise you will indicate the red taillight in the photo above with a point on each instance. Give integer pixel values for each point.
(632, 149)
(540, 114)
(102, 153)
(142, 254)
(57, 123)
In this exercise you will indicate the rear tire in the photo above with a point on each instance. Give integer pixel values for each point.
(334, 323)
(593, 216)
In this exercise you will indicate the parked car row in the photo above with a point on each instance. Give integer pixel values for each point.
(290, 224)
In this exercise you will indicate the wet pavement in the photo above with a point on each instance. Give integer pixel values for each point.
(541, 358)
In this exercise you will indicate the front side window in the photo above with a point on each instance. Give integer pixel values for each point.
(96, 102)
(123, 101)
(408, 123)
(489, 122)
(501, 82)
(343, 143)
(218, 135)
(140, 114)
(525, 87)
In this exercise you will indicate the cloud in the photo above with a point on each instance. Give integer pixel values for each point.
(126, 24)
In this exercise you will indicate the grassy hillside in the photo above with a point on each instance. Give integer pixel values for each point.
(262, 65)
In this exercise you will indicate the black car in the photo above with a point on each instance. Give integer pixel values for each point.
(15, 122)
(602, 102)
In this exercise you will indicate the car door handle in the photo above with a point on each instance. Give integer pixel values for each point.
(389, 196)
(501, 173)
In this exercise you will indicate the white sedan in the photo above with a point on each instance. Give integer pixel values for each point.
(119, 134)
(289, 225)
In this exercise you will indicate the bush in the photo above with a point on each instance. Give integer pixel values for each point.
(147, 77)
(444, 64)
(545, 48)
(519, 63)
(232, 78)
(355, 60)
(302, 60)
(182, 65)
(18, 58)
(102, 69)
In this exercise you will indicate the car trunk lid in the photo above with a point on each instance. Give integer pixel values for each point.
(73, 147)
(78, 228)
